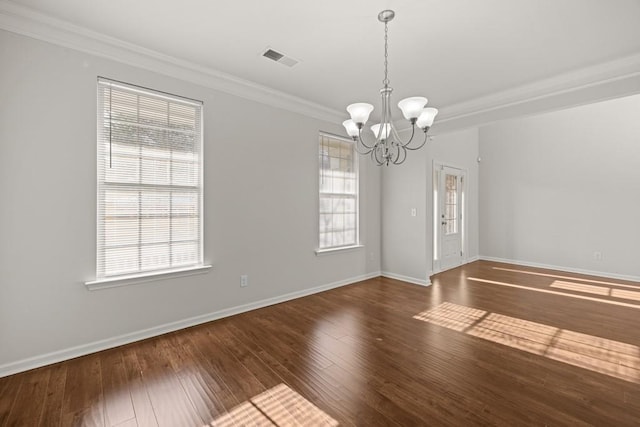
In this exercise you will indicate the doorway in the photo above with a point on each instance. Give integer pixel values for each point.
(448, 217)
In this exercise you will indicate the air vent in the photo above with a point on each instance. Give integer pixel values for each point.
(272, 54)
(279, 57)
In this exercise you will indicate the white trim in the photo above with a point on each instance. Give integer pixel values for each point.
(465, 262)
(409, 279)
(25, 21)
(22, 20)
(336, 136)
(603, 274)
(81, 350)
(584, 78)
(134, 279)
(329, 251)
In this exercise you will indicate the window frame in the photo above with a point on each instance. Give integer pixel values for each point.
(110, 280)
(356, 166)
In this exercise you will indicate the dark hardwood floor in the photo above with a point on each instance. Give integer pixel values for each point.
(487, 344)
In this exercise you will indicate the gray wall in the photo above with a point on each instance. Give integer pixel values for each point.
(407, 251)
(558, 187)
(260, 194)
(551, 189)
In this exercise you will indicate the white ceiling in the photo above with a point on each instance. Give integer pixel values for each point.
(451, 51)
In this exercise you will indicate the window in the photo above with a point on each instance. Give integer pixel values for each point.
(451, 204)
(149, 181)
(338, 193)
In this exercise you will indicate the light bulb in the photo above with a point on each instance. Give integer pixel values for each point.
(360, 112)
(426, 118)
(412, 107)
(385, 132)
(351, 127)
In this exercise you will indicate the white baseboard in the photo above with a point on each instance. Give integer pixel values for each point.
(84, 349)
(465, 261)
(603, 274)
(415, 281)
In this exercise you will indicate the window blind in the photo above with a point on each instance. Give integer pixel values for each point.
(149, 181)
(338, 193)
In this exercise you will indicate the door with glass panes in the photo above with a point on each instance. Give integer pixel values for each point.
(449, 217)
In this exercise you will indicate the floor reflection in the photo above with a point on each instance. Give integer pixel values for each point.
(613, 358)
(279, 406)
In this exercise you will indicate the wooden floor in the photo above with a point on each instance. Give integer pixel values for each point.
(487, 344)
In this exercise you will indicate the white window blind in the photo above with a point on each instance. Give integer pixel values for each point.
(338, 193)
(149, 181)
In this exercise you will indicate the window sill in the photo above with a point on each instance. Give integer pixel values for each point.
(134, 279)
(329, 251)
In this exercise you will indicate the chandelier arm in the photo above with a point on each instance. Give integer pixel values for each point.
(413, 133)
(394, 152)
(362, 142)
(395, 158)
(367, 149)
(364, 153)
(374, 156)
(404, 150)
(426, 136)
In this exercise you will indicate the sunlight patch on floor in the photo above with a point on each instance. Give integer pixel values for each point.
(279, 406)
(613, 358)
(549, 291)
(581, 287)
(452, 316)
(623, 293)
(598, 290)
(556, 276)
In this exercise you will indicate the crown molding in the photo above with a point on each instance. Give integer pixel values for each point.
(613, 79)
(589, 78)
(21, 20)
(591, 82)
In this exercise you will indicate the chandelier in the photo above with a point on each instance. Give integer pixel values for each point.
(388, 147)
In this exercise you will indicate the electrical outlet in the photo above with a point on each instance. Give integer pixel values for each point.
(244, 280)
(597, 256)
(414, 212)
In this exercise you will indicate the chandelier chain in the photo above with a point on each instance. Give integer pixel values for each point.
(386, 81)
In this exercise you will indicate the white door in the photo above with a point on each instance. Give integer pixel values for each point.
(449, 217)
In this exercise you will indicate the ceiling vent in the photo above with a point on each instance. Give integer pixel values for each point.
(279, 57)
